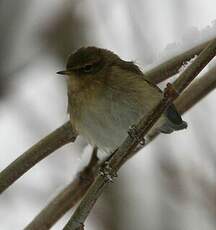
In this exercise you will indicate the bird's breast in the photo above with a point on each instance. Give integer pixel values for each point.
(104, 120)
(103, 115)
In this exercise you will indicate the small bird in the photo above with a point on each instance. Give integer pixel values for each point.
(107, 95)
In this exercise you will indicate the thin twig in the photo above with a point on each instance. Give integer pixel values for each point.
(67, 198)
(171, 67)
(114, 163)
(36, 153)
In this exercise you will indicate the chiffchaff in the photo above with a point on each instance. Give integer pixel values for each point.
(106, 95)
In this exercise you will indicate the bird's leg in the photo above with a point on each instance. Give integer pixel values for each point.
(106, 170)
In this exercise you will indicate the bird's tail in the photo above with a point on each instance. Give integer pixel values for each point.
(173, 121)
(169, 122)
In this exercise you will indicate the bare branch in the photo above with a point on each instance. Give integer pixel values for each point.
(36, 153)
(115, 162)
(171, 67)
(199, 63)
(67, 198)
(198, 90)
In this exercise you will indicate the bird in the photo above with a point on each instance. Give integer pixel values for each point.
(108, 95)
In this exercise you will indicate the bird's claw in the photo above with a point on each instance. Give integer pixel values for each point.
(108, 172)
(133, 134)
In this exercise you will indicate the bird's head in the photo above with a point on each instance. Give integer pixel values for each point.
(88, 62)
(91, 66)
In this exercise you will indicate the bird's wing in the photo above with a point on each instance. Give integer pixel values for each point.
(175, 120)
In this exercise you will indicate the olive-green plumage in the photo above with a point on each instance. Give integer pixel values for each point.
(107, 95)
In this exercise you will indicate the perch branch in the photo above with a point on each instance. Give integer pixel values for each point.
(36, 153)
(114, 163)
(66, 199)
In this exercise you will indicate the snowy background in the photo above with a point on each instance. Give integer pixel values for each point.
(171, 184)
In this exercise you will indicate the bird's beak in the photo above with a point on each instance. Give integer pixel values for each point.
(64, 72)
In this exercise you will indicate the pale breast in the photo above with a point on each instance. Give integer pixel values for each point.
(105, 121)
(105, 125)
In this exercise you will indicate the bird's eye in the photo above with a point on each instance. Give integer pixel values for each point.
(88, 68)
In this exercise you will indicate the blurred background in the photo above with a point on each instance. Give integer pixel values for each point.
(171, 184)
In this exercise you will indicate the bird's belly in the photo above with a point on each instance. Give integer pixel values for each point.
(107, 127)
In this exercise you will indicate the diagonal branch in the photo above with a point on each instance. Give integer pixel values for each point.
(65, 200)
(198, 90)
(115, 162)
(61, 136)
(171, 67)
(190, 73)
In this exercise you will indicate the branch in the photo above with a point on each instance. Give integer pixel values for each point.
(171, 67)
(67, 198)
(189, 74)
(114, 163)
(36, 153)
(198, 90)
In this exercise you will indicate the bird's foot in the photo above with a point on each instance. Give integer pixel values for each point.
(134, 134)
(108, 172)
